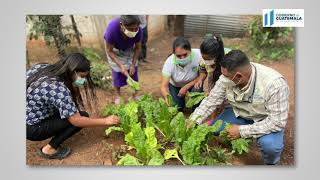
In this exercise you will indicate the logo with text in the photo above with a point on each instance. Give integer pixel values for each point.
(283, 17)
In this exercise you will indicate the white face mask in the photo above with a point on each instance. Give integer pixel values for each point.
(129, 34)
(209, 62)
(229, 83)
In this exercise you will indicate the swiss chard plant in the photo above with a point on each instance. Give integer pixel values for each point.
(158, 132)
(239, 145)
(194, 98)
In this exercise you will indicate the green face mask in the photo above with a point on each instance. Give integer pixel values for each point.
(183, 61)
(79, 81)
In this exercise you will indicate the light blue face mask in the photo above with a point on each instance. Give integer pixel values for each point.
(79, 81)
(183, 61)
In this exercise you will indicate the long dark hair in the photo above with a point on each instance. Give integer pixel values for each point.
(64, 71)
(213, 46)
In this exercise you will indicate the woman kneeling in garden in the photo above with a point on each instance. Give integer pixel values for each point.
(180, 72)
(53, 99)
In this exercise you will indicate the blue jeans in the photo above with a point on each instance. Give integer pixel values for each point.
(180, 101)
(271, 145)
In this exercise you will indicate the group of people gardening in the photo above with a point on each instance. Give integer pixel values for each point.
(252, 97)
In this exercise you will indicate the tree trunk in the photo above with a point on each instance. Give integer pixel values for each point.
(76, 31)
(59, 40)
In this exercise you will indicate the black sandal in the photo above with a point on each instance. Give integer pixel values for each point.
(61, 153)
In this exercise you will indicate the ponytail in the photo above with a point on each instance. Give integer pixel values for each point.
(219, 58)
(213, 46)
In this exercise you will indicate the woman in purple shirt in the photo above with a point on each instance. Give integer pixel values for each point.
(123, 45)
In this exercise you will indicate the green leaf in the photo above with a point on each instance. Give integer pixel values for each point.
(241, 145)
(194, 98)
(151, 137)
(157, 159)
(128, 160)
(170, 101)
(113, 128)
(191, 149)
(134, 85)
(171, 153)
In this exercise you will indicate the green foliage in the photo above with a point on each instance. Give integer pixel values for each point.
(270, 43)
(172, 153)
(113, 128)
(129, 160)
(239, 145)
(50, 27)
(100, 73)
(171, 103)
(91, 55)
(266, 37)
(217, 156)
(194, 98)
(145, 143)
(150, 126)
(191, 149)
(178, 126)
(134, 85)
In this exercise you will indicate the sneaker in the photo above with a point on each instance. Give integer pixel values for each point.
(117, 101)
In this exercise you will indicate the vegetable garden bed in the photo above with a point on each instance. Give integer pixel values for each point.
(157, 134)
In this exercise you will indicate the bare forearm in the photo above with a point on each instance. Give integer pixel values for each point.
(114, 58)
(164, 91)
(83, 122)
(191, 84)
(202, 76)
(136, 55)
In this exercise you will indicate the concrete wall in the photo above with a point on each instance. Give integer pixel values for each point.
(92, 29)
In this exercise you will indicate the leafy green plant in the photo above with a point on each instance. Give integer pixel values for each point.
(145, 143)
(172, 153)
(150, 127)
(270, 43)
(50, 28)
(134, 85)
(91, 55)
(266, 37)
(129, 160)
(191, 149)
(194, 98)
(100, 72)
(101, 75)
(217, 156)
(239, 145)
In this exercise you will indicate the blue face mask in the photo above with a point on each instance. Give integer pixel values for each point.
(79, 81)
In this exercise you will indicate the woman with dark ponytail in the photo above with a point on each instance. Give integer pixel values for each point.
(212, 51)
(54, 103)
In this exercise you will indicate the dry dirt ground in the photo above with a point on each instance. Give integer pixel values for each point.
(92, 147)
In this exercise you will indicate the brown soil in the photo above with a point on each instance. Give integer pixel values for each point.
(91, 147)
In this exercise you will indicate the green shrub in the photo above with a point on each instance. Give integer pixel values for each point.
(270, 43)
(100, 71)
